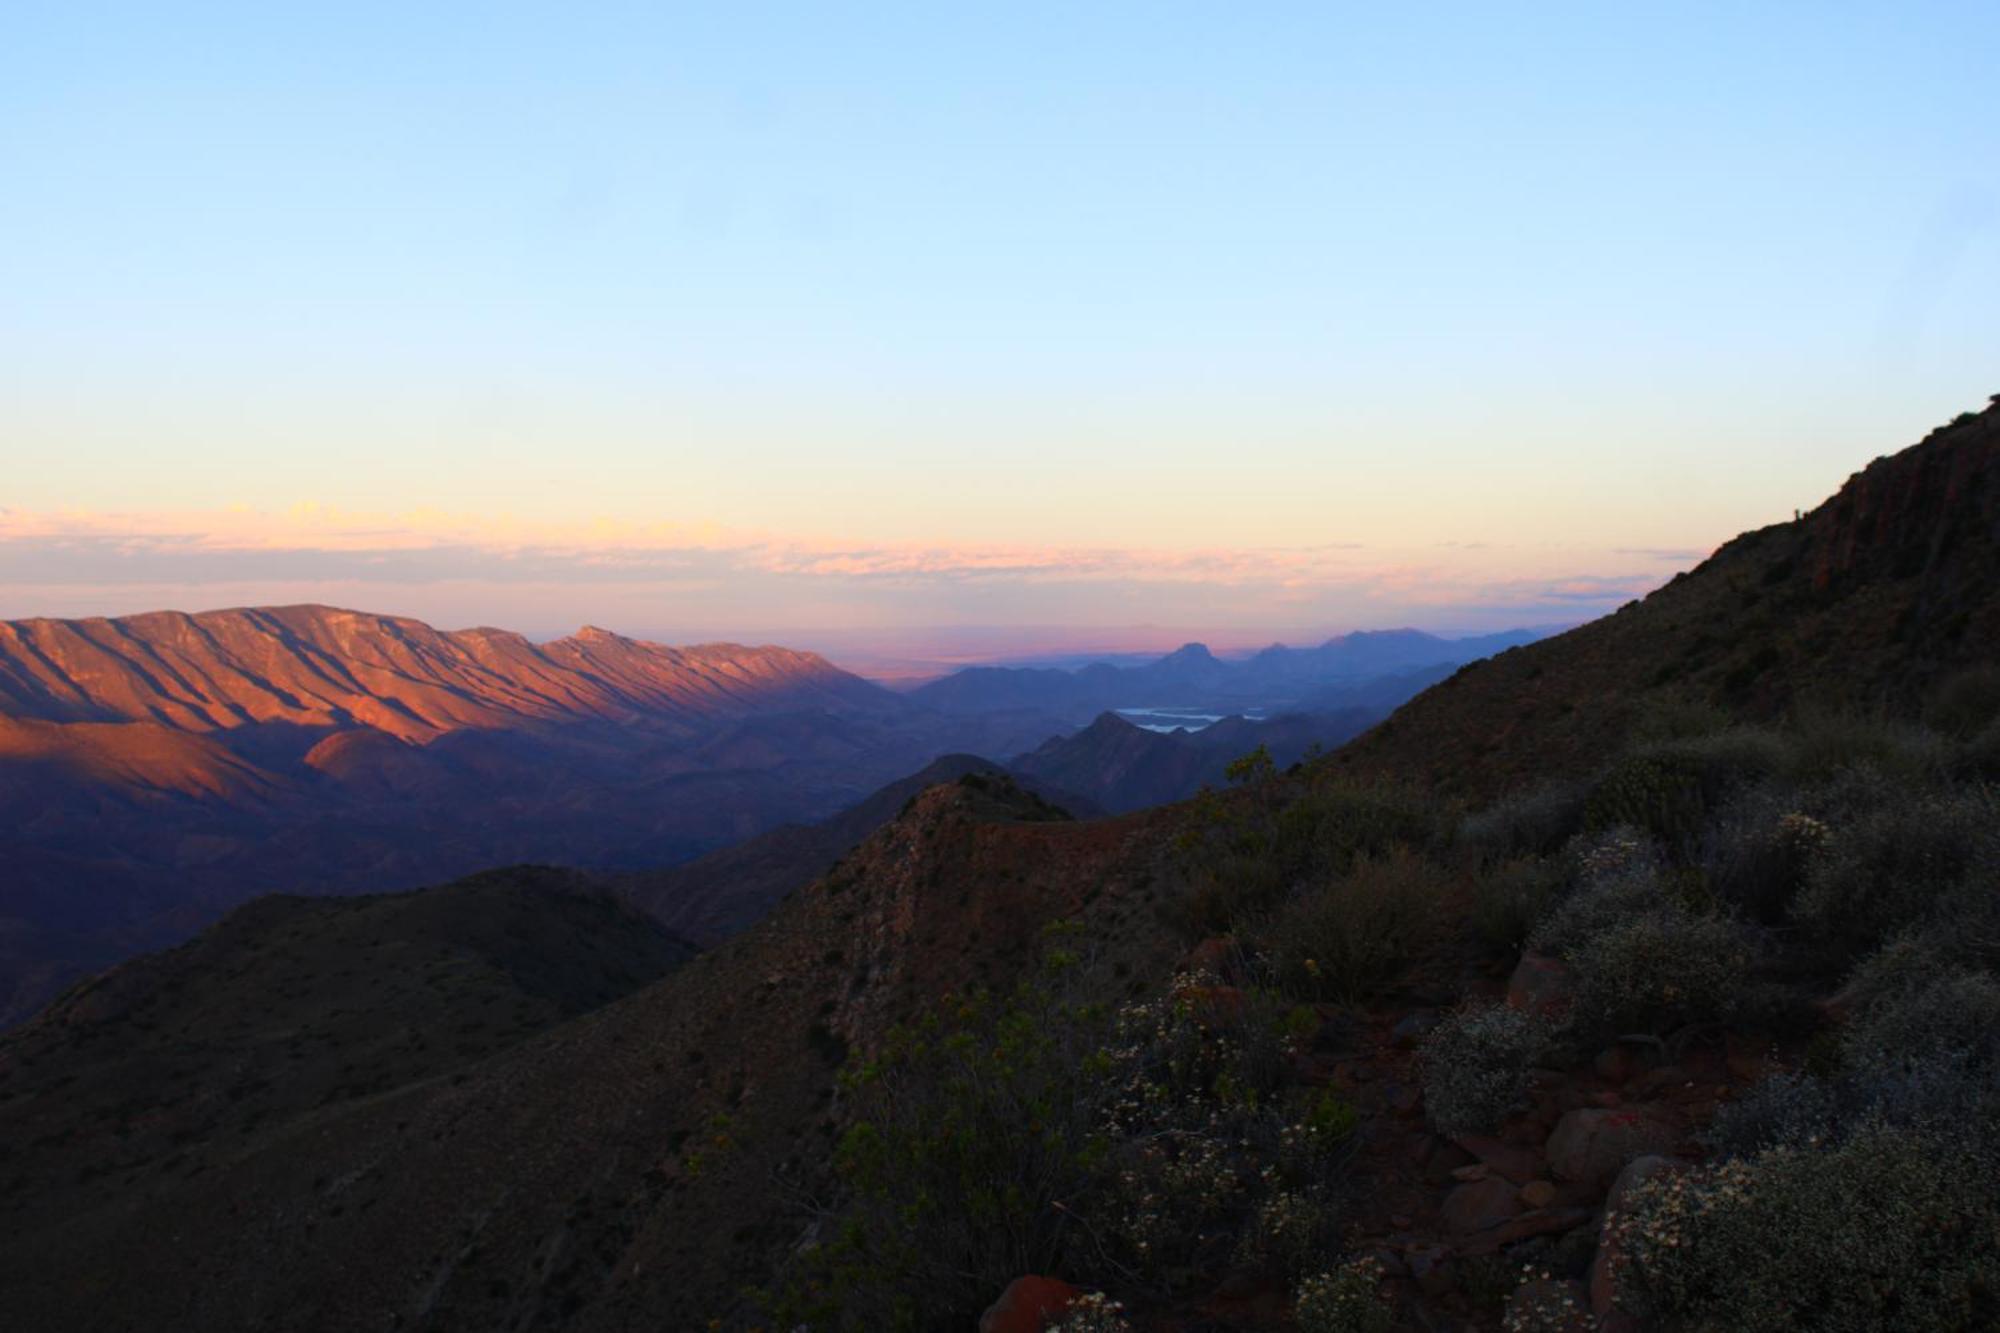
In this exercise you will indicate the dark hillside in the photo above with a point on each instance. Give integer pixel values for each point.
(288, 1009)
(1869, 602)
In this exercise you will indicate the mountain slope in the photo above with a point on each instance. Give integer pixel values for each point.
(291, 1007)
(1123, 767)
(584, 1178)
(1871, 601)
(717, 895)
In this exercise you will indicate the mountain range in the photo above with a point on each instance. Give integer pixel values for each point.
(157, 769)
(1193, 677)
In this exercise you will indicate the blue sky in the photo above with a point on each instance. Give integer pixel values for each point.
(1048, 314)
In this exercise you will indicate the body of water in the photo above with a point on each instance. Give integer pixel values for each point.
(1180, 719)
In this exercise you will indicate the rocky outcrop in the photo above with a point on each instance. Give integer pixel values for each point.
(1591, 1146)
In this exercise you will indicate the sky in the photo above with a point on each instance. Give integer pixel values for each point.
(846, 324)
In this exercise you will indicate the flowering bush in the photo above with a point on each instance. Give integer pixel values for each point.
(1346, 1299)
(1891, 1229)
(1476, 1066)
(1092, 1312)
(1658, 969)
(1207, 1162)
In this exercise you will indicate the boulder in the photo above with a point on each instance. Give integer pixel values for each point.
(1480, 1205)
(1027, 1304)
(1607, 1265)
(1592, 1145)
(1540, 986)
(1518, 1164)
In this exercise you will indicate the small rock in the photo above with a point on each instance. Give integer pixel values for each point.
(1478, 1206)
(1477, 1171)
(1027, 1304)
(1401, 1221)
(1540, 986)
(1591, 1146)
(1538, 1194)
(1540, 1222)
(1403, 1098)
(1607, 1099)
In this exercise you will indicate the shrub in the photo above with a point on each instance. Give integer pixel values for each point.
(1891, 1229)
(1534, 823)
(1659, 969)
(1612, 892)
(1966, 702)
(1892, 864)
(1755, 852)
(1656, 793)
(1346, 1299)
(967, 1128)
(1358, 934)
(1337, 822)
(1476, 1065)
(1510, 901)
(1206, 1161)
(1826, 744)
(1952, 1019)
(1782, 1108)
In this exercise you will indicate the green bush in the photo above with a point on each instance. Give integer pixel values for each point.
(1668, 789)
(1509, 902)
(968, 1127)
(1208, 1162)
(1953, 1018)
(1361, 932)
(1533, 823)
(1966, 702)
(1617, 881)
(1243, 854)
(1890, 865)
(1347, 1299)
(1892, 1230)
(1476, 1066)
(1756, 851)
(1337, 822)
(1658, 970)
(1824, 745)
